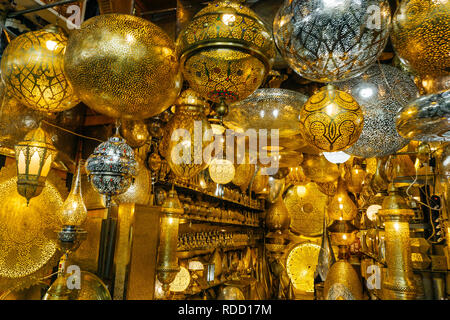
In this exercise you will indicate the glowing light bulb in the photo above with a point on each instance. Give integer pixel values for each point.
(336, 157)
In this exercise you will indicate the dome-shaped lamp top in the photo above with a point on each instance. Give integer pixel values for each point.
(227, 24)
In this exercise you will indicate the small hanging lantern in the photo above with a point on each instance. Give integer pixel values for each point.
(111, 168)
(34, 157)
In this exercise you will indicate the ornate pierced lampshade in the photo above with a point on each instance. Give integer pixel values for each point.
(421, 35)
(33, 69)
(341, 207)
(123, 66)
(34, 157)
(331, 120)
(225, 52)
(73, 211)
(380, 91)
(426, 118)
(221, 171)
(188, 135)
(111, 168)
(326, 41)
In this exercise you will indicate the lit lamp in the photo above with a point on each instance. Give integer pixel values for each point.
(342, 282)
(168, 266)
(72, 215)
(34, 156)
(399, 282)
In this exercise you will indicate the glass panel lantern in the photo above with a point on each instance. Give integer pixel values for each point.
(34, 156)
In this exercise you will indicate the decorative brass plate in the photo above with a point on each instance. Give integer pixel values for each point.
(26, 233)
(181, 281)
(306, 205)
(301, 264)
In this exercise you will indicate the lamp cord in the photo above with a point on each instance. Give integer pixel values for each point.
(74, 133)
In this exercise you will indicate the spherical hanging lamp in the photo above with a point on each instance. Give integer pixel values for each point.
(270, 109)
(225, 52)
(328, 40)
(190, 133)
(123, 66)
(426, 119)
(380, 91)
(111, 168)
(33, 69)
(221, 171)
(34, 157)
(421, 35)
(331, 120)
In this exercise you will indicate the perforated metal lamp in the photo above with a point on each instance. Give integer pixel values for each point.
(34, 157)
(168, 267)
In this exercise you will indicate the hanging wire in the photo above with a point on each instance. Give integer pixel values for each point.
(74, 133)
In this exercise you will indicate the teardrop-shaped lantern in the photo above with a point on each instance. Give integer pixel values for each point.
(341, 206)
(73, 211)
(190, 133)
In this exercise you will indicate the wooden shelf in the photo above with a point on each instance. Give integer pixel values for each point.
(168, 183)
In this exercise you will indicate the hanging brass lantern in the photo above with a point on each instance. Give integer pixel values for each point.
(123, 66)
(331, 120)
(190, 134)
(168, 267)
(34, 157)
(225, 52)
(134, 132)
(342, 282)
(244, 173)
(420, 35)
(73, 211)
(318, 169)
(355, 178)
(399, 282)
(341, 206)
(33, 68)
(306, 205)
(277, 217)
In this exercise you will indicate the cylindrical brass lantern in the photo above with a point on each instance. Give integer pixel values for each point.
(226, 51)
(34, 156)
(399, 282)
(168, 238)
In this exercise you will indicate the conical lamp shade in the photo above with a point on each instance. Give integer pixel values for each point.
(73, 211)
(341, 206)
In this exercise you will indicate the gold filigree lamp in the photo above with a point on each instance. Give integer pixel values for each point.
(188, 135)
(72, 216)
(342, 282)
(225, 52)
(123, 66)
(33, 69)
(34, 157)
(221, 171)
(331, 120)
(398, 284)
(341, 206)
(168, 267)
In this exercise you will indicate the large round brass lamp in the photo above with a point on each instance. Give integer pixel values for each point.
(123, 66)
(331, 120)
(34, 157)
(421, 35)
(33, 69)
(225, 52)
